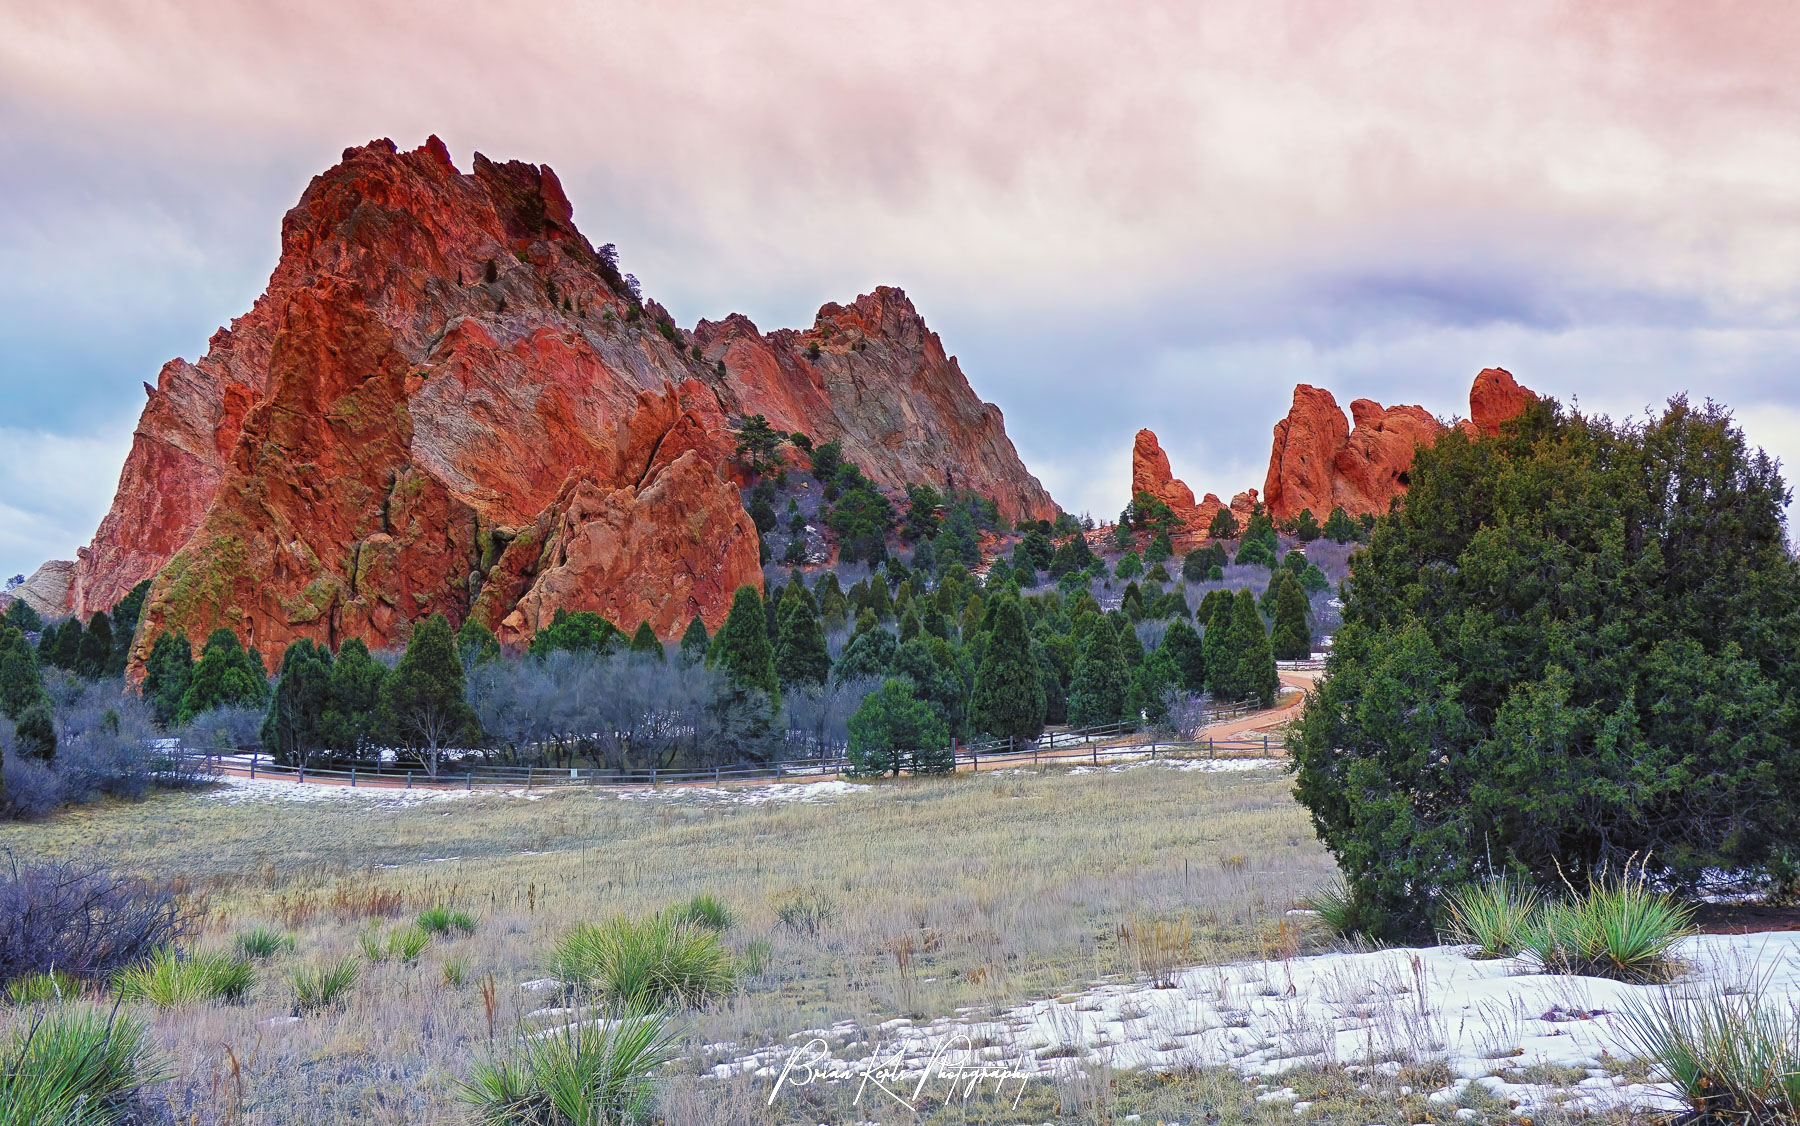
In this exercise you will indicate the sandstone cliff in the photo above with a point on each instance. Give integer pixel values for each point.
(448, 399)
(1150, 474)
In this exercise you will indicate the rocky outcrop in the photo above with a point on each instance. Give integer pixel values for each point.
(1495, 398)
(1150, 473)
(449, 400)
(46, 591)
(1319, 462)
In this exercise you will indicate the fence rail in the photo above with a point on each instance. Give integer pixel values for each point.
(1056, 746)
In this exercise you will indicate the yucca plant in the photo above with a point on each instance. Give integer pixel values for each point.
(74, 1066)
(657, 962)
(317, 988)
(41, 989)
(594, 1070)
(1620, 929)
(443, 920)
(1733, 1058)
(264, 942)
(1342, 911)
(407, 943)
(1493, 915)
(169, 980)
(706, 910)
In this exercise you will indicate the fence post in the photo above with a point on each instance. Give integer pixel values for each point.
(409, 779)
(353, 777)
(653, 776)
(528, 779)
(715, 774)
(1096, 754)
(469, 781)
(252, 766)
(1265, 746)
(302, 770)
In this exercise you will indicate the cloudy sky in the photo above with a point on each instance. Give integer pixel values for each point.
(1149, 214)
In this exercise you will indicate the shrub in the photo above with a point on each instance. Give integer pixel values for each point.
(42, 989)
(317, 988)
(1493, 915)
(705, 910)
(1620, 929)
(442, 920)
(1343, 914)
(804, 911)
(82, 921)
(169, 981)
(1733, 1058)
(592, 1071)
(263, 942)
(74, 1067)
(656, 962)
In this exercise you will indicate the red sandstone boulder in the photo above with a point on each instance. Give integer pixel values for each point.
(1495, 398)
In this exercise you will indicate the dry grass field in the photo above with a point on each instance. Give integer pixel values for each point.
(917, 897)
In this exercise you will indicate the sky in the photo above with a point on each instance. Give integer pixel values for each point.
(1116, 216)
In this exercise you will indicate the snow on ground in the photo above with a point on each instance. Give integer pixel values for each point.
(1492, 1021)
(778, 792)
(233, 790)
(1205, 765)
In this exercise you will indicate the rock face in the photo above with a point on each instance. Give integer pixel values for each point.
(449, 400)
(1495, 398)
(1319, 462)
(1150, 473)
(47, 590)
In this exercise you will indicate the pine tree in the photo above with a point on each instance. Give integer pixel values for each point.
(60, 646)
(1257, 679)
(892, 730)
(1339, 528)
(869, 654)
(1151, 684)
(910, 626)
(225, 676)
(35, 732)
(422, 698)
(973, 611)
(694, 642)
(1131, 648)
(1009, 690)
(801, 656)
(645, 644)
(353, 722)
(295, 725)
(21, 680)
(833, 610)
(95, 650)
(877, 598)
(167, 672)
(125, 618)
(1131, 604)
(1222, 679)
(1182, 644)
(1097, 693)
(475, 645)
(1291, 640)
(742, 646)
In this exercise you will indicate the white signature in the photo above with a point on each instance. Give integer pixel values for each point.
(891, 1075)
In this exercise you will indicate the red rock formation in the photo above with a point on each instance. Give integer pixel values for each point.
(1318, 462)
(1495, 398)
(447, 399)
(1150, 473)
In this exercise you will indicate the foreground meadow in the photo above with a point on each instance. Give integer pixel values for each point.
(916, 899)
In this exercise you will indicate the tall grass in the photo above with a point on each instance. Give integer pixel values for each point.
(168, 980)
(1733, 1058)
(587, 1073)
(42, 989)
(1494, 915)
(656, 962)
(264, 942)
(706, 910)
(442, 920)
(74, 1067)
(1619, 929)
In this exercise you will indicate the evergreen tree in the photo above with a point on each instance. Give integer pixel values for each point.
(60, 645)
(909, 623)
(876, 598)
(644, 642)
(1256, 676)
(1221, 659)
(742, 647)
(583, 631)
(167, 672)
(1313, 580)
(422, 698)
(1009, 689)
(22, 617)
(834, 611)
(125, 618)
(892, 730)
(1306, 527)
(974, 610)
(801, 656)
(21, 681)
(1131, 648)
(475, 645)
(294, 727)
(1291, 639)
(35, 732)
(1224, 525)
(694, 642)
(870, 653)
(1151, 684)
(225, 676)
(353, 721)
(1131, 604)
(1339, 528)
(1195, 564)
(1182, 644)
(1097, 693)
(1036, 547)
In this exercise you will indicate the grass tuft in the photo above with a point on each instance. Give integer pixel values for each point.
(804, 911)
(595, 1070)
(1733, 1058)
(169, 981)
(43, 989)
(1494, 915)
(317, 988)
(658, 962)
(74, 1067)
(706, 910)
(1620, 929)
(264, 942)
(442, 920)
